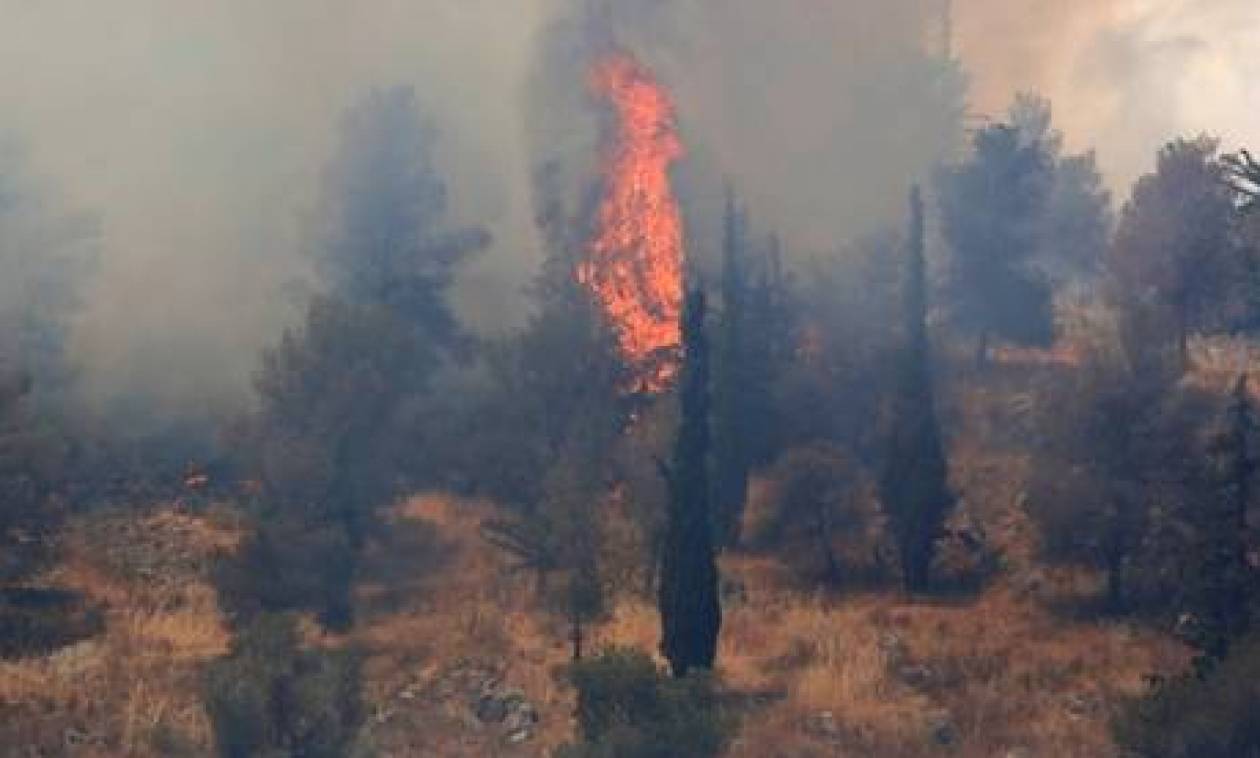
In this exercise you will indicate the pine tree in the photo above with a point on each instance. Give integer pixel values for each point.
(688, 595)
(992, 207)
(1224, 582)
(913, 485)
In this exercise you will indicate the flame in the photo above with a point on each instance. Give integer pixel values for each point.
(635, 257)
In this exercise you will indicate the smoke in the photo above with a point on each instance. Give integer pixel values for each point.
(820, 115)
(198, 131)
(1125, 75)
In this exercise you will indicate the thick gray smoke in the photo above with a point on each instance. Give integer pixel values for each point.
(1125, 75)
(198, 131)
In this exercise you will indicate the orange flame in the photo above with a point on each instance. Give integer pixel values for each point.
(635, 259)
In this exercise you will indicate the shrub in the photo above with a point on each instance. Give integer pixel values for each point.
(268, 697)
(289, 565)
(628, 709)
(1213, 716)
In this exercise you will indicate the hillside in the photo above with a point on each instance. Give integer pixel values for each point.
(461, 660)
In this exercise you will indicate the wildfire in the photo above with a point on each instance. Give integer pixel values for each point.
(635, 258)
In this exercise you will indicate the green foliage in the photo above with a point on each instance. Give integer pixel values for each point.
(32, 461)
(268, 697)
(993, 208)
(1221, 583)
(914, 482)
(1213, 716)
(627, 709)
(733, 423)
(1074, 229)
(1120, 460)
(330, 394)
(385, 243)
(691, 614)
(839, 327)
(288, 564)
(1173, 253)
(818, 500)
(748, 359)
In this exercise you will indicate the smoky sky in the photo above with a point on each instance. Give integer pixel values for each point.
(1125, 75)
(196, 132)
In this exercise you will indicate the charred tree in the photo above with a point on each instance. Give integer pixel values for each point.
(688, 593)
(913, 486)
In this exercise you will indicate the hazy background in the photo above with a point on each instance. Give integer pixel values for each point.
(197, 131)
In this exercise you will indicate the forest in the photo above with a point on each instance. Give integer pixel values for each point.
(978, 476)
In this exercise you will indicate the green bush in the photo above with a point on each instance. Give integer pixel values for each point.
(1191, 717)
(288, 565)
(628, 709)
(268, 697)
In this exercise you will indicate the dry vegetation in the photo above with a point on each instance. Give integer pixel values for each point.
(135, 689)
(444, 615)
(444, 619)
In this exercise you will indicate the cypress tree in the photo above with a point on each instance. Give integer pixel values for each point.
(1223, 582)
(688, 592)
(913, 486)
(732, 435)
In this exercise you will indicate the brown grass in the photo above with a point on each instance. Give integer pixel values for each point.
(135, 690)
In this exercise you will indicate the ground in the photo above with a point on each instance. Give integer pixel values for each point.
(460, 660)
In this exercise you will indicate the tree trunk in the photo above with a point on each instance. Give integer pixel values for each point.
(828, 554)
(982, 350)
(1183, 340)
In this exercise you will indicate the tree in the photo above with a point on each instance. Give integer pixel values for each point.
(1173, 255)
(1075, 227)
(328, 397)
(913, 485)
(627, 709)
(1119, 462)
(1222, 582)
(993, 207)
(733, 422)
(384, 240)
(688, 594)
(341, 395)
(269, 696)
(818, 497)
(1207, 716)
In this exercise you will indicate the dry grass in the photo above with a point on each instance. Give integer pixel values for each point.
(135, 690)
(465, 606)
(870, 674)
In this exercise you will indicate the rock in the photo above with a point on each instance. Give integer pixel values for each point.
(893, 648)
(517, 736)
(822, 724)
(916, 675)
(1081, 706)
(491, 709)
(522, 716)
(940, 723)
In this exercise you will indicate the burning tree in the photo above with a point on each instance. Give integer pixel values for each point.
(635, 258)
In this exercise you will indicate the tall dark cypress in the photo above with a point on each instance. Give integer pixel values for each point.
(914, 483)
(1223, 583)
(688, 593)
(732, 408)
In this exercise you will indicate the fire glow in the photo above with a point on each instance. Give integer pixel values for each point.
(634, 262)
